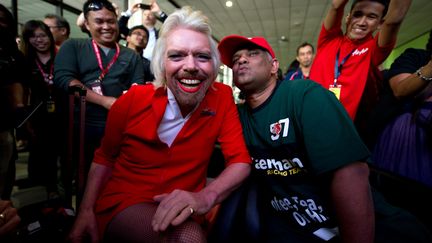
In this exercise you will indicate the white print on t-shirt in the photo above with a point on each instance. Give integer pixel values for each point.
(306, 213)
(276, 128)
(282, 167)
(358, 53)
(303, 211)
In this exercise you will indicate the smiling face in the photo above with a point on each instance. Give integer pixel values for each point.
(189, 67)
(40, 41)
(364, 19)
(103, 27)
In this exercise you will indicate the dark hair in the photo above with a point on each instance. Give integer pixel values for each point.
(28, 32)
(141, 27)
(292, 66)
(9, 20)
(60, 22)
(96, 5)
(383, 2)
(303, 45)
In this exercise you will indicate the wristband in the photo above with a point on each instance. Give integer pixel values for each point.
(420, 75)
(127, 13)
(163, 15)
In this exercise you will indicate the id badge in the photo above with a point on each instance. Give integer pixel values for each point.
(50, 105)
(336, 90)
(96, 87)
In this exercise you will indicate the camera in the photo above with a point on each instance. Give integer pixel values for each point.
(144, 6)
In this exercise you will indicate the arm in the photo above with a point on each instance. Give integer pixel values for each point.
(352, 199)
(155, 9)
(85, 222)
(408, 84)
(174, 208)
(66, 73)
(335, 14)
(395, 15)
(104, 101)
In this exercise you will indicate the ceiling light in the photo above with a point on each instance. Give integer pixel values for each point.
(228, 4)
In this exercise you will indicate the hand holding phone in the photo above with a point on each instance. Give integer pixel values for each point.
(143, 6)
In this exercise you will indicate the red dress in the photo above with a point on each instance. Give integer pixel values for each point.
(143, 166)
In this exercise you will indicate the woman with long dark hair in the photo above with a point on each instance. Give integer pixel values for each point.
(39, 50)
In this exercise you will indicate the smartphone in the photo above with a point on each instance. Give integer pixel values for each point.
(144, 6)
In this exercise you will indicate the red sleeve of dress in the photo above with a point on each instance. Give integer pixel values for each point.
(231, 134)
(116, 122)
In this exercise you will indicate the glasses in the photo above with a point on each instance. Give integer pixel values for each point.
(41, 36)
(139, 33)
(96, 5)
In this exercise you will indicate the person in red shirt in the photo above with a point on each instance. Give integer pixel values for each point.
(347, 63)
(147, 182)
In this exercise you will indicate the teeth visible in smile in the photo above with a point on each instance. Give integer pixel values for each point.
(190, 81)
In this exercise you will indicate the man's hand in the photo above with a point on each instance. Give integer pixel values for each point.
(176, 207)
(134, 8)
(9, 218)
(85, 226)
(154, 8)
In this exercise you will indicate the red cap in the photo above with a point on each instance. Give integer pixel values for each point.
(232, 43)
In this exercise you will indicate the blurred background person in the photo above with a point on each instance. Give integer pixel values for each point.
(305, 56)
(59, 28)
(137, 40)
(44, 125)
(149, 19)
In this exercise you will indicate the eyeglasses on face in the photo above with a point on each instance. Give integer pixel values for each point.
(138, 33)
(40, 36)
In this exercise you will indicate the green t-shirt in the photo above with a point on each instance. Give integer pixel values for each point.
(296, 137)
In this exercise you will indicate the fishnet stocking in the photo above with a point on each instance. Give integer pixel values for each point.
(134, 225)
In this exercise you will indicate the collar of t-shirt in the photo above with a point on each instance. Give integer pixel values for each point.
(172, 121)
(148, 51)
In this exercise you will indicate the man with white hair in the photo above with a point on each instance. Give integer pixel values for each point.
(147, 182)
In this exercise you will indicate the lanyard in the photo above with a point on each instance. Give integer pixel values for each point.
(47, 77)
(99, 59)
(338, 67)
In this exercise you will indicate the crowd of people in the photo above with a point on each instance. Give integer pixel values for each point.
(297, 152)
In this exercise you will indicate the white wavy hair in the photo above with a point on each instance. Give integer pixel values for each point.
(187, 18)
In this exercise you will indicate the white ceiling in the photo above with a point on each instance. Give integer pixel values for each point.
(297, 20)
